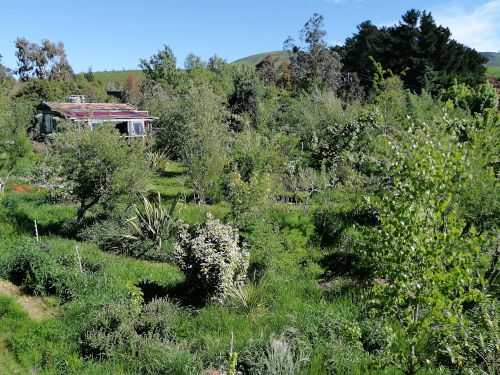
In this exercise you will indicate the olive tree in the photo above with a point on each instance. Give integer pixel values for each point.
(193, 129)
(96, 166)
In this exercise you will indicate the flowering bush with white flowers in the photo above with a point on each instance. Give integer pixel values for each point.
(209, 254)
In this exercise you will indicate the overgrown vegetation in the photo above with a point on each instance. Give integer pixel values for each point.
(287, 219)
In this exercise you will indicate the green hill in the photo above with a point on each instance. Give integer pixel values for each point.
(255, 59)
(493, 57)
(494, 69)
(116, 76)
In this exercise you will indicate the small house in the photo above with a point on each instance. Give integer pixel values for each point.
(126, 118)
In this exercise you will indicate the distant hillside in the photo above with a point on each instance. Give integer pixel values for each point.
(255, 59)
(116, 76)
(493, 57)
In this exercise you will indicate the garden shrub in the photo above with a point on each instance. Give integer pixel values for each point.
(41, 269)
(475, 100)
(211, 257)
(279, 357)
(158, 317)
(144, 341)
(248, 199)
(111, 329)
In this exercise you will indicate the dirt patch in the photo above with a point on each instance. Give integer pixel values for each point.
(37, 308)
(8, 289)
(21, 188)
(25, 188)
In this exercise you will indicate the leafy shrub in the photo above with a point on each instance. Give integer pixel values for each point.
(476, 100)
(41, 269)
(425, 265)
(160, 317)
(144, 341)
(210, 256)
(248, 199)
(110, 330)
(279, 357)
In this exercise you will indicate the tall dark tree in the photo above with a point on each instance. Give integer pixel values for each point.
(216, 64)
(355, 53)
(243, 100)
(417, 43)
(316, 64)
(267, 70)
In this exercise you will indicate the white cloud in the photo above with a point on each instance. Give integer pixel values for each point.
(478, 27)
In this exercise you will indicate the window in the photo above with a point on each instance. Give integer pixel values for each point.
(138, 128)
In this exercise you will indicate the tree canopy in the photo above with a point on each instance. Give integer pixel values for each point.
(417, 43)
(45, 61)
(314, 64)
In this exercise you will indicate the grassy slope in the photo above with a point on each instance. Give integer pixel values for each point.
(117, 76)
(255, 59)
(284, 299)
(8, 363)
(494, 70)
(493, 57)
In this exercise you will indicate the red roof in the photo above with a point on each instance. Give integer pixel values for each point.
(98, 111)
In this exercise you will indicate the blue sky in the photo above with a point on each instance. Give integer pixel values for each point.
(113, 34)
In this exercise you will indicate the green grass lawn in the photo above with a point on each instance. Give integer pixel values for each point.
(494, 70)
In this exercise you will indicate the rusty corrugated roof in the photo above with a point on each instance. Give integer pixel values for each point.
(98, 111)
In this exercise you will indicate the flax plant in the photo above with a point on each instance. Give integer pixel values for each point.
(153, 221)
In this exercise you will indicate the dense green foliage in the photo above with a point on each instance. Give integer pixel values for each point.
(97, 165)
(416, 43)
(328, 225)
